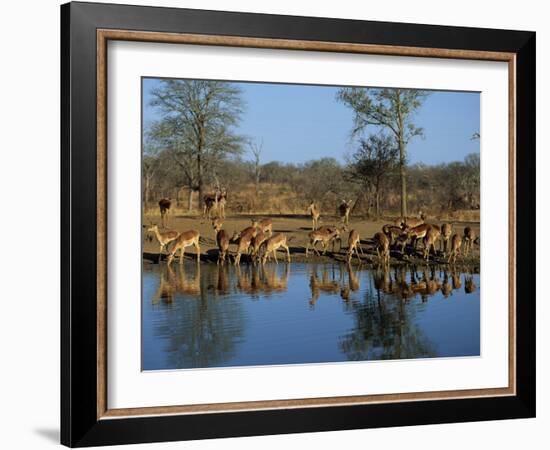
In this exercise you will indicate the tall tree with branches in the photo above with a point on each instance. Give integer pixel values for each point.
(256, 148)
(392, 109)
(197, 125)
(375, 158)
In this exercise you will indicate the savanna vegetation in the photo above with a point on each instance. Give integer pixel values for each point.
(194, 149)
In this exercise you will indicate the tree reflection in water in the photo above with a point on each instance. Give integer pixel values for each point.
(199, 329)
(212, 316)
(384, 328)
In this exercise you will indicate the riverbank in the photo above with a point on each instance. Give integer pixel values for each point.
(297, 229)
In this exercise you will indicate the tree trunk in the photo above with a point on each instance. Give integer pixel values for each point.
(199, 164)
(199, 178)
(403, 189)
(377, 202)
(190, 200)
(147, 190)
(402, 154)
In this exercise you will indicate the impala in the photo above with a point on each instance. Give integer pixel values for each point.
(264, 225)
(222, 239)
(186, 239)
(410, 222)
(324, 236)
(343, 210)
(164, 237)
(331, 229)
(353, 243)
(416, 233)
(164, 206)
(469, 238)
(456, 243)
(274, 243)
(446, 232)
(315, 213)
(243, 239)
(216, 200)
(217, 224)
(256, 243)
(392, 232)
(382, 244)
(431, 237)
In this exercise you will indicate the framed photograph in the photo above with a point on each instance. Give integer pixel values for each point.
(276, 224)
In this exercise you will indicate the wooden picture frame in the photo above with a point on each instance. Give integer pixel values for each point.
(85, 417)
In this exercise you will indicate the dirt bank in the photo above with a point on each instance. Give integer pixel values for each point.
(297, 229)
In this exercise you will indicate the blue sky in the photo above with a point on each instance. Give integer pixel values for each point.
(298, 123)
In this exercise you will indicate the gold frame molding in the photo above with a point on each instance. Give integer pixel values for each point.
(103, 36)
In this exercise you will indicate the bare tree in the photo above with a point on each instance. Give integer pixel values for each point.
(375, 158)
(392, 109)
(150, 165)
(256, 148)
(198, 119)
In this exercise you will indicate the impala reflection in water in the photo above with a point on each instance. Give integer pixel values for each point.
(203, 315)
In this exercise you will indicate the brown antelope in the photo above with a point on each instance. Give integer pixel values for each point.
(217, 201)
(469, 238)
(382, 242)
(456, 243)
(274, 243)
(343, 210)
(331, 229)
(243, 239)
(392, 232)
(164, 206)
(434, 226)
(431, 237)
(217, 224)
(256, 242)
(446, 232)
(353, 243)
(222, 201)
(417, 233)
(324, 236)
(222, 239)
(410, 222)
(164, 237)
(264, 225)
(252, 231)
(186, 239)
(315, 213)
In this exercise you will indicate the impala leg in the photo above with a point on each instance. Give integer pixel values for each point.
(275, 255)
(198, 247)
(182, 253)
(315, 249)
(287, 253)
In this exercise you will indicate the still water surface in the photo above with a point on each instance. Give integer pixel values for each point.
(209, 316)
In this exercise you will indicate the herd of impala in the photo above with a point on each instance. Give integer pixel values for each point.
(259, 243)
